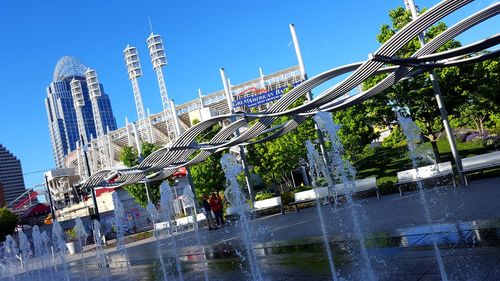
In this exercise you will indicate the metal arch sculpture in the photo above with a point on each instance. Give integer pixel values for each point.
(163, 162)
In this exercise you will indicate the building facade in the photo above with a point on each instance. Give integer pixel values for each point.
(11, 175)
(62, 114)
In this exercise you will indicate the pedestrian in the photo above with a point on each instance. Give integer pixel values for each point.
(208, 212)
(216, 206)
(221, 207)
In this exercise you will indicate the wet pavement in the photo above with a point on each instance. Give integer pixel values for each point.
(466, 227)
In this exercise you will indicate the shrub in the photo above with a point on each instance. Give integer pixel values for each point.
(286, 198)
(395, 139)
(262, 195)
(462, 136)
(302, 188)
(71, 234)
(321, 182)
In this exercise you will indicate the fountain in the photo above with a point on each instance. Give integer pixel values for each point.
(237, 199)
(188, 199)
(314, 158)
(59, 245)
(345, 173)
(39, 250)
(153, 213)
(120, 232)
(166, 216)
(412, 133)
(100, 254)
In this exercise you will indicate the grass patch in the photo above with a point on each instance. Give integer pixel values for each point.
(386, 162)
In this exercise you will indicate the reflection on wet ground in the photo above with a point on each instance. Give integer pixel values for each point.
(471, 251)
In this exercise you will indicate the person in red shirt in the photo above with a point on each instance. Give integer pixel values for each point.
(216, 206)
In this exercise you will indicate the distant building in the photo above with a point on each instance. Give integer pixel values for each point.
(61, 112)
(2, 197)
(11, 176)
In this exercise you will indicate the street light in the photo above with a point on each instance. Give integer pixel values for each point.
(94, 199)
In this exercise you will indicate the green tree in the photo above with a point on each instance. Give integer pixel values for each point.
(480, 91)
(274, 160)
(208, 175)
(8, 222)
(416, 95)
(130, 158)
(356, 130)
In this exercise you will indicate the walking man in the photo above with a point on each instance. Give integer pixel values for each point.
(208, 212)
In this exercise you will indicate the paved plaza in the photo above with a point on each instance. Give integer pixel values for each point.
(289, 246)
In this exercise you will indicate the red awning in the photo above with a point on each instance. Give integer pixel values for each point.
(100, 191)
(35, 210)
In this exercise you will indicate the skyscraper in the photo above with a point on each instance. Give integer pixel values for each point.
(11, 175)
(62, 116)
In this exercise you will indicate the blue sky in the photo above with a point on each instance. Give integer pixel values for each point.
(199, 36)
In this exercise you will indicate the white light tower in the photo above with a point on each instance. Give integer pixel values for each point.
(95, 93)
(159, 60)
(134, 71)
(79, 103)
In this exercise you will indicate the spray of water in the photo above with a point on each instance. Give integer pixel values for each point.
(412, 133)
(120, 232)
(11, 252)
(153, 214)
(60, 246)
(188, 200)
(234, 195)
(166, 215)
(346, 173)
(314, 158)
(38, 250)
(81, 233)
(99, 250)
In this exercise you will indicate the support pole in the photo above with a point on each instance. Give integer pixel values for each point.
(244, 165)
(94, 198)
(410, 5)
(302, 68)
(50, 198)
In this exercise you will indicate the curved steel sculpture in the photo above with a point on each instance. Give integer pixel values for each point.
(163, 162)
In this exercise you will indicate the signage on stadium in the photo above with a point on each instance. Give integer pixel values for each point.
(262, 98)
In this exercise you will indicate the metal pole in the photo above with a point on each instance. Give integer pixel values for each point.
(94, 198)
(302, 68)
(229, 98)
(410, 5)
(146, 184)
(50, 198)
(175, 118)
(137, 141)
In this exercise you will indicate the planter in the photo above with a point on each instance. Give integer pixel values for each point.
(74, 247)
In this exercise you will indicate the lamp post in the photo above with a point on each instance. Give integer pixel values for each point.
(410, 5)
(50, 198)
(302, 68)
(229, 98)
(94, 198)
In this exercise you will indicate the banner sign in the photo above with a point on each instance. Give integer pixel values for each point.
(263, 98)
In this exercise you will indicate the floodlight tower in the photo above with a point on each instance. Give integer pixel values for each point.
(95, 93)
(79, 103)
(159, 60)
(134, 71)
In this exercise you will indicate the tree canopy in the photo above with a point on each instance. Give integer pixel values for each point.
(461, 87)
(130, 157)
(208, 175)
(8, 222)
